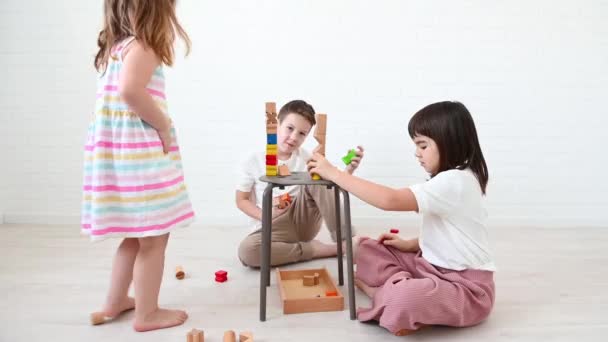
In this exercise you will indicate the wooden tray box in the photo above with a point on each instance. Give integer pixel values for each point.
(298, 298)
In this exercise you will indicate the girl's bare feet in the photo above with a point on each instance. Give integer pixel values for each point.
(112, 311)
(368, 290)
(323, 250)
(160, 319)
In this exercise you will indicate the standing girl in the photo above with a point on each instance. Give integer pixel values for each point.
(133, 181)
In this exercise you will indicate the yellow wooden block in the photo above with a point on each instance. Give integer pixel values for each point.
(316, 176)
(272, 170)
(271, 149)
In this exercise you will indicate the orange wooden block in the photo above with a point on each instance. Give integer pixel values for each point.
(284, 200)
(331, 293)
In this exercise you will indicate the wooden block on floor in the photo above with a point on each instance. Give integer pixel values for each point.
(246, 336)
(195, 335)
(97, 318)
(229, 336)
(179, 272)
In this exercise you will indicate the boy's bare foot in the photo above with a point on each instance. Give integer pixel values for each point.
(368, 290)
(323, 250)
(112, 311)
(160, 319)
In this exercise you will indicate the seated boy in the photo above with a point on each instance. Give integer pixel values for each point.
(295, 226)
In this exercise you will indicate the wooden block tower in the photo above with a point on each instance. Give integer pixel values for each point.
(271, 139)
(319, 135)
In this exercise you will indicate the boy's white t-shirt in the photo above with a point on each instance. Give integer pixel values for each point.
(254, 167)
(453, 233)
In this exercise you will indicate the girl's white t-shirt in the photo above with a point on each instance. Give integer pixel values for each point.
(453, 233)
(254, 167)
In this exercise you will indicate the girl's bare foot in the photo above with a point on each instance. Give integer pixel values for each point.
(404, 332)
(368, 290)
(160, 319)
(323, 250)
(112, 311)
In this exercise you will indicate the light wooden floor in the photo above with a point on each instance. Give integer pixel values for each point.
(551, 286)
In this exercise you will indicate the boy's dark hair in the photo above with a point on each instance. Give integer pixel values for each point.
(452, 128)
(298, 107)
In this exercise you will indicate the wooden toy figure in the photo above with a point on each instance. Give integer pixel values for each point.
(320, 131)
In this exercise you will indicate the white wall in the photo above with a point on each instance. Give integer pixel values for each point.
(533, 74)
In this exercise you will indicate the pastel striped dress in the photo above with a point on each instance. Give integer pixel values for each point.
(131, 188)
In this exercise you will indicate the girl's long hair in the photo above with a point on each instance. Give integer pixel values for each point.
(152, 22)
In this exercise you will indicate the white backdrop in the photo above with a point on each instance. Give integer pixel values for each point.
(533, 74)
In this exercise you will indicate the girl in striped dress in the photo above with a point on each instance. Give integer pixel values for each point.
(445, 276)
(133, 181)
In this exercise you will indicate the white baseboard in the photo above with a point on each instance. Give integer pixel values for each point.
(363, 221)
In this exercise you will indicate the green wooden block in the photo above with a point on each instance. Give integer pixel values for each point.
(347, 159)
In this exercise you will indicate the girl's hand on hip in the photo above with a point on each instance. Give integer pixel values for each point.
(166, 138)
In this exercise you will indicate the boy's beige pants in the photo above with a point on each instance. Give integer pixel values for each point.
(295, 228)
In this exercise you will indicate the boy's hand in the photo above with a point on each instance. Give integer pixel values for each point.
(389, 239)
(321, 166)
(354, 164)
